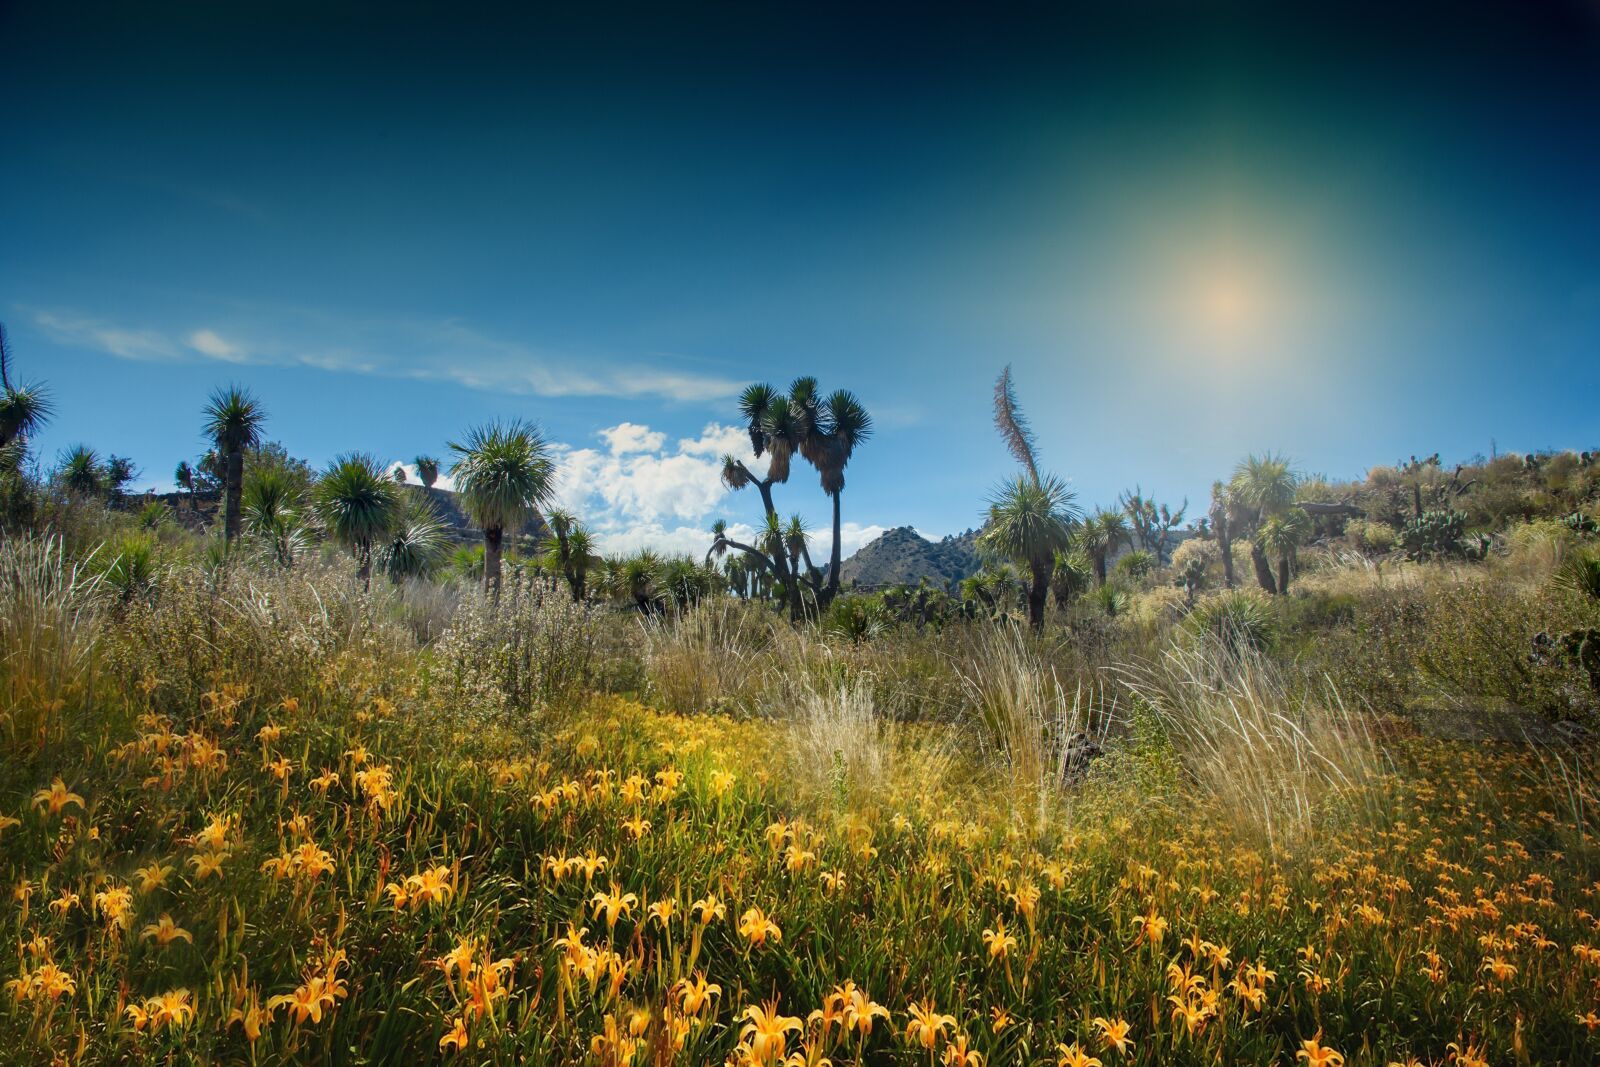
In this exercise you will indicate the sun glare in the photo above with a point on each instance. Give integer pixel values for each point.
(1228, 305)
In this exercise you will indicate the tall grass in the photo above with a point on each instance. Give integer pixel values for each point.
(1040, 730)
(1274, 751)
(50, 624)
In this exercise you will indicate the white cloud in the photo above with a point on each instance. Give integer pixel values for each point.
(444, 481)
(117, 341)
(399, 346)
(631, 437)
(210, 343)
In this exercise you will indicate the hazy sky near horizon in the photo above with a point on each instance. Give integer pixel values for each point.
(1194, 230)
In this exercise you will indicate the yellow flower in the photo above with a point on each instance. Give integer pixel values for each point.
(755, 927)
(926, 1025)
(269, 733)
(1499, 968)
(1151, 927)
(214, 838)
(999, 1019)
(151, 877)
(1073, 1056)
(695, 995)
(956, 1054)
(115, 905)
(998, 941)
(832, 881)
(614, 904)
(764, 1035)
(207, 864)
(57, 797)
(1317, 1055)
(637, 826)
(708, 908)
(170, 1010)
(8, 821)
(721, 782)
(248, 1014)
(456, 1039)
(435, 885)
(164, 932)
(797, 859)
(1113, 1033)
(662, 911)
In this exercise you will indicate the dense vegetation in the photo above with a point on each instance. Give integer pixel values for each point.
(1313, 785)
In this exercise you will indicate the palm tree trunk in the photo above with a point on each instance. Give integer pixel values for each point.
(364, 566)
(1258, 558)
(833, 561)
(1283, 573)
(233, 494)
(491, 560)
(1225, 543)
(1100, 566)
(1038, 590)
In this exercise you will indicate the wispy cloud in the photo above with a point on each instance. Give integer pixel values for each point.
(416, 348)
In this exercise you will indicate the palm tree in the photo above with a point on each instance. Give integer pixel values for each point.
(572, 555)
(1280, 535)
(1030, 520)
(581, 559)
(1264, 487)
(846, 424)
(1071, 576)
(24, 409)
(398, 474)
(504, 473)
(637, 578)
(81, 471)
(417, 542)
(1221, 522)
(183, 475)
(359, 505)
(427, 470)
(233, 420)
(1100, 536)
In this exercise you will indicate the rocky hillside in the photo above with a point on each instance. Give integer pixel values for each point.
(903, 556)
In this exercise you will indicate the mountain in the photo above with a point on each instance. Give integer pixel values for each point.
(903, 556)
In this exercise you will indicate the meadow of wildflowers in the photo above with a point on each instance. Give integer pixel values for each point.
(263, 876)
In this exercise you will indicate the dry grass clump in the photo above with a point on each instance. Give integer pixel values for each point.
(712, 657)
(1031, 721)
(1268, 748)
(50, 624)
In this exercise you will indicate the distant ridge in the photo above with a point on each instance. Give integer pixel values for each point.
(903, 556)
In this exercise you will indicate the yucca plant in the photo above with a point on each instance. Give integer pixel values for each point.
(358, 504)
(417, 542)
(1581, 575)
(80, 471)
(233, 421)
(1029, 522)
(504, 473)
(130, 565)
(274, 514)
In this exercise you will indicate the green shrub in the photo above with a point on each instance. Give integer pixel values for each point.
(1239, 620)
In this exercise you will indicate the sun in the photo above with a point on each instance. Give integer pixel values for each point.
(1228, 304)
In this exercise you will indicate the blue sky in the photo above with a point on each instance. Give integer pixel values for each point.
(1197, 232)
